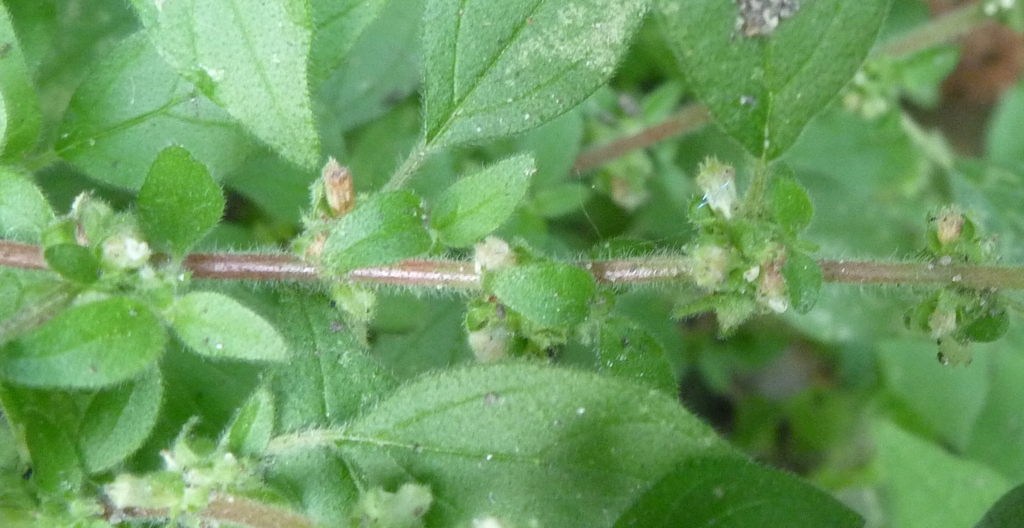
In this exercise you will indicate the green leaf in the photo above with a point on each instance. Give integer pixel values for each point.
(118, 420)
(478, 204)
(764, 89)
(516, 442)
(131, 106)
(44, 422)
(250, 58)
(721, 491)
(73, 262)
(88, 346)
(380, 69)
(627, 350)
(320, 481)
(383, 229)
(924, 486)
(330, 377)
(1007, 512)
(24, 212)
(550, 294)
(405, 325)
(337, 25)
(992, 325)
(19, 107)
(252, 426)
(217, 326)
(1003, 144)
(790, 204)
(178, 202)
(996, 437)
(803, 280)
(493, 69)
(948, 401)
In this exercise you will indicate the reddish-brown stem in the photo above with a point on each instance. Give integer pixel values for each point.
(236, 511)
(461, 275)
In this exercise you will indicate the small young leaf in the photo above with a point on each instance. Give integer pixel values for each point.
(252, 426)
(24, 212)
(178, 202)
(19, 108)
(478, 204)
(548, 294)
(118, 420)
(493, 69)
(217, 326)
(764, 89)
(73, 262)
(790, 204)
(131, 106)
(627, 350)
(989, 327)
(803, 281)
(517, 442)
(383, 229)
(88, 346)
(249, 59)
(727, 491)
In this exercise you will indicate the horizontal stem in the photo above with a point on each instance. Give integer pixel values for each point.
(461, 274)
(236, 511)
(688, 118)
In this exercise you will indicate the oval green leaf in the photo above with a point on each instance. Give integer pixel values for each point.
(549, 294)
(117, 421)
(726, 491)
(252, 426)
(88, 346)
(24, 212)
(73, 262)
(131, 106)
(987, 328)
(19, 107)
(629, 351)
(248, 57)
(179, 202)
(384, 229)
(493, 69)
(790, 205)
(478, 204)
(764, 89)
(803, 280)
(520, 442)
(217, 326)
(1007, 512)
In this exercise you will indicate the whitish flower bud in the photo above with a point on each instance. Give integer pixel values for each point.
(948, 226)
(709, 265)
(490, 343)
(493, 254)
(717, 180)
(125, 252)
(338, 188)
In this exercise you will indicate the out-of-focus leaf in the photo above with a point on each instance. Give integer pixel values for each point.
(337, 26)
(44, 423)
(924, 486)
(249, 58)
(493, 69)
(764, 88)
(132, 106)
(1007, 512)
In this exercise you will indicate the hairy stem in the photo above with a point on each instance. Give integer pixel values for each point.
(236, 511)
(409, 167)
(941, 30)
(461, 275)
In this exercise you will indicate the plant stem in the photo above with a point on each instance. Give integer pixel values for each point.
(688, 118)
(754, 200)
(459, 274)
(941, 30)
(237, 511)
(408, 168)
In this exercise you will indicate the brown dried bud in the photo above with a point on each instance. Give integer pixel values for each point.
(338, 187)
